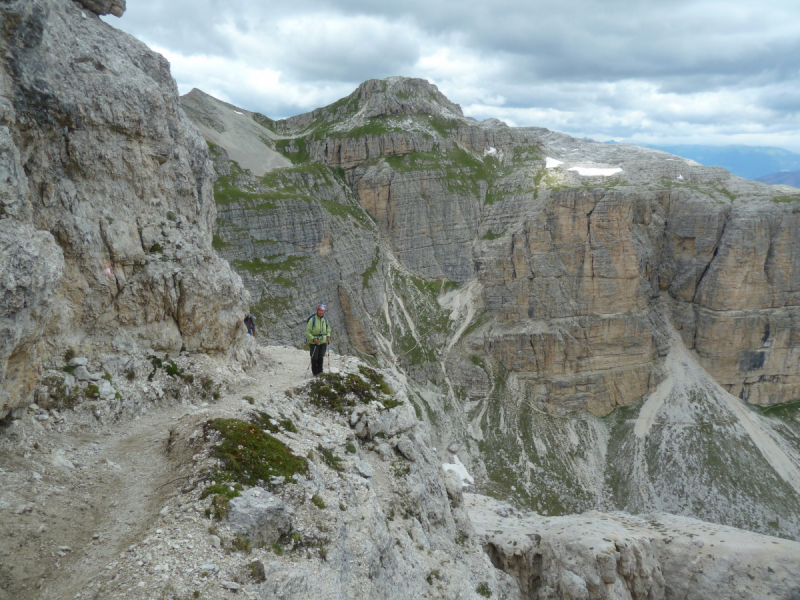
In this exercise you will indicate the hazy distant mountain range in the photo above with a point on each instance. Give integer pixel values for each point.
(762, 163)
(785, 178)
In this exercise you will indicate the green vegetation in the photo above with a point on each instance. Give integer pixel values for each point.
(483, 590)
(172, 369)
(218, 243)
(249, 456)
(479, 321)
(785, 199)
(434, 287)
(787, 409)
(343, 211)
(295, 148)
(330, 390)
(544, 439)
(434, 574)
(317, 500)
(258, 265)
(264, 121)
(490, 235)
(329, 458)
(443, 125)
(265, 420)
(721, 452)
(526, 154)
(374, 126)
(240, 543)
(377, 379)
(370, 271)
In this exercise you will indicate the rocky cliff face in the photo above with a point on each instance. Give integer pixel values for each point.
(530, 285)
(107, 204)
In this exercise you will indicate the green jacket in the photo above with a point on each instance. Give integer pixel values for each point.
(318, 327)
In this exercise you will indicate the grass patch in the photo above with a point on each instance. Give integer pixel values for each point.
(331, 391)
(329, 458)
(296, 149)
(218, 243)
(343, 211)
(376, 378)
(259, 265)
(785, 199)
(172, 369)
(372, 268)
(241, 543)
(249, 456)
(435, 287)
(264, 121)
(341, 393)
(443, 125)
(787, 409)
(491, 235)
(373, 126)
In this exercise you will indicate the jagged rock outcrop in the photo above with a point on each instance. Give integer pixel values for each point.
(105, 7)
(107, 199)
(657, 556)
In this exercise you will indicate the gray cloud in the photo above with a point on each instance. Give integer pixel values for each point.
(617, 67)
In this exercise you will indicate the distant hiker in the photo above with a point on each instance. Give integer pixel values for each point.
(318, 334)
(250, 321)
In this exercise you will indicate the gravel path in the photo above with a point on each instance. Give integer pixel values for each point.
(72, 500)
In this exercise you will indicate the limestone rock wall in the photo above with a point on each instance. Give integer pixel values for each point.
(103, 165)
(581, 276)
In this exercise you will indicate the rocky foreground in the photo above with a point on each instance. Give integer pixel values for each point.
(133, 504)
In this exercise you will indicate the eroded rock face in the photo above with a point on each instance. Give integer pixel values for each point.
(102, 163)
(617, 555)
(517, 294)
(105, 7)
(581, 277)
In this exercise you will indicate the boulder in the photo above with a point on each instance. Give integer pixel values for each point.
(260, 516)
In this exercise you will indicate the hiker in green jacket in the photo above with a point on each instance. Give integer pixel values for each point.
(318, 334)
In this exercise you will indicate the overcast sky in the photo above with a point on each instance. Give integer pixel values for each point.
(643, 71)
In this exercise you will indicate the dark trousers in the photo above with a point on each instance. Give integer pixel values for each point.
(317, 354)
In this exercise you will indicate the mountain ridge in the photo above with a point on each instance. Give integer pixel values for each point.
(517, 301)
(449, 250)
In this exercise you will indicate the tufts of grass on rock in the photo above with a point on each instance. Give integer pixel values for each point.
(338, 393)
(250, 456)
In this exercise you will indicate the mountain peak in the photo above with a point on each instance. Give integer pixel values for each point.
(390, 97)
(402, 96)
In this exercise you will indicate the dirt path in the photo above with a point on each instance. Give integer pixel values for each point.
(66, 525)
